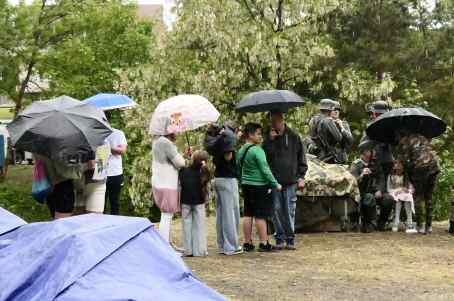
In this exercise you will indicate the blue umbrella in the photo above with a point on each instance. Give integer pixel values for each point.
(106, 101)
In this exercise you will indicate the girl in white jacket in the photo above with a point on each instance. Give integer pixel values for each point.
(400, 188)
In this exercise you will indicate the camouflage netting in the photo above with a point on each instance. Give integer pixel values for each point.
(329, 200)
(329, 180)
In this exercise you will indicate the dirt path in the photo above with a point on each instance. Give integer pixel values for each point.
(336, 266)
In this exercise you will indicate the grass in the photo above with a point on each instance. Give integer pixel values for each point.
(6, 113)
(15, 194)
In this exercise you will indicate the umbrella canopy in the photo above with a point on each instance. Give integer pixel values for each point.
(106, 101)
(182, 113)
(415, 120)
(269, 100)
(59, 128)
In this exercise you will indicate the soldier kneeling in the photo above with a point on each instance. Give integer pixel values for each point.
(370, 181)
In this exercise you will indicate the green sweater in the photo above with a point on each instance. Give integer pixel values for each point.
(255, 170)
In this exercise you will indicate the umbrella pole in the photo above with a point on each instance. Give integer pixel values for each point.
(187, 139)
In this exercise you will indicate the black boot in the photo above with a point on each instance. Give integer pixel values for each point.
(451, 227)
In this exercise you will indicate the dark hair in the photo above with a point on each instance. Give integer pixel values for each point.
(250, 128)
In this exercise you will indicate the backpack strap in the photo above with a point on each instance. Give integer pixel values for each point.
(243, 158)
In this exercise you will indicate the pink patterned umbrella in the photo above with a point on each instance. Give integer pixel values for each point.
(182, 113)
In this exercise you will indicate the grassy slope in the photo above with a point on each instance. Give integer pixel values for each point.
(15, 195)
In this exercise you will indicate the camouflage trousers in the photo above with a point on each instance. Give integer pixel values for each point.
(369, 204)
(424, 188)
(451, 215)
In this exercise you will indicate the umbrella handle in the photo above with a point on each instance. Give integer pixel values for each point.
(187, 139)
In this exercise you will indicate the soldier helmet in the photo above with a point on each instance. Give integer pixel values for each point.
(337, 106)
(326, 104)
(379, 106)
(367, 144)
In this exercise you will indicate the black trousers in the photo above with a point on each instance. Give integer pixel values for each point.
(113, 189)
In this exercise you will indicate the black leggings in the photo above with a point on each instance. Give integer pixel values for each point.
(113, 189)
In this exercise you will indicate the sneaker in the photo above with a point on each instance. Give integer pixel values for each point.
(411, 230)
(428, 230)
(248, 247)
(267, 248)
(395, 229)
(290, 247)
(239, 251)
(421, 229)
(279, 245)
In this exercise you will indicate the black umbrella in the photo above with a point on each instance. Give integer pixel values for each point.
(62, 128)
(414, 120)
(269, 100)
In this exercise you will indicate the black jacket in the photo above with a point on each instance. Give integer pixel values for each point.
(193, 182)
(217, 146)
(286, 156)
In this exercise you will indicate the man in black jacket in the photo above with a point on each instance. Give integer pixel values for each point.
(287, 158)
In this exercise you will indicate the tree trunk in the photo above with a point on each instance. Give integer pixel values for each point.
(23, 86)
(280, 26)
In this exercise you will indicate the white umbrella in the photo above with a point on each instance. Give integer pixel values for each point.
(182, 113)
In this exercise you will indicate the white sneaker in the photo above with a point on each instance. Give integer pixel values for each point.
(395, 229)
(411, 230)
(239, 251)
(421, 230)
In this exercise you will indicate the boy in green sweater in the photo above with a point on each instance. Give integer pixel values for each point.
(257, 180)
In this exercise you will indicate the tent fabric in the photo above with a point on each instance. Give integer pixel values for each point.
(9, 221)
(94, 257)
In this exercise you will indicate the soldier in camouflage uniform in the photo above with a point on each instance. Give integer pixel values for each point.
(331, 135)
(451, 218)
(370, 178)
(384, 160)
(422, 164)
(314, 145)
(347, 137)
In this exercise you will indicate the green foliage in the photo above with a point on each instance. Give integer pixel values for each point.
(444, 191)
(77, 48)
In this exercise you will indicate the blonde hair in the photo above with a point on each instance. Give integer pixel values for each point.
(198, 157)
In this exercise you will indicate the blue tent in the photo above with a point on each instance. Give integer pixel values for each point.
(108, 101)
(93, 257)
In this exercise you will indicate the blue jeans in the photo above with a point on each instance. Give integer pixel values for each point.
(284, 214)
(227, 214)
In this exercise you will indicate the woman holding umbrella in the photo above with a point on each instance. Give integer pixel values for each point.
(166, 163)
(173, 116)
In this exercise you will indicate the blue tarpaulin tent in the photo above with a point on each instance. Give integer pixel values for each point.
(92, 257)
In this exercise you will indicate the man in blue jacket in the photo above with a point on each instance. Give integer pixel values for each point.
(286, 156)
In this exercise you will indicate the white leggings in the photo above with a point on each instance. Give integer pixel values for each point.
(165, 225)
(408, 211)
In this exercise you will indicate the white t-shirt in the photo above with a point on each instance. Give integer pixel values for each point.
(115, 139)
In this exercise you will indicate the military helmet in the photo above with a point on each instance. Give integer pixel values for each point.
(366, 144)
(379, 106)
(326, 104)
(337, 105)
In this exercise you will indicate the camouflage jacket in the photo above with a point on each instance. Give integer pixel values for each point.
(417, 154)
(334, 140)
